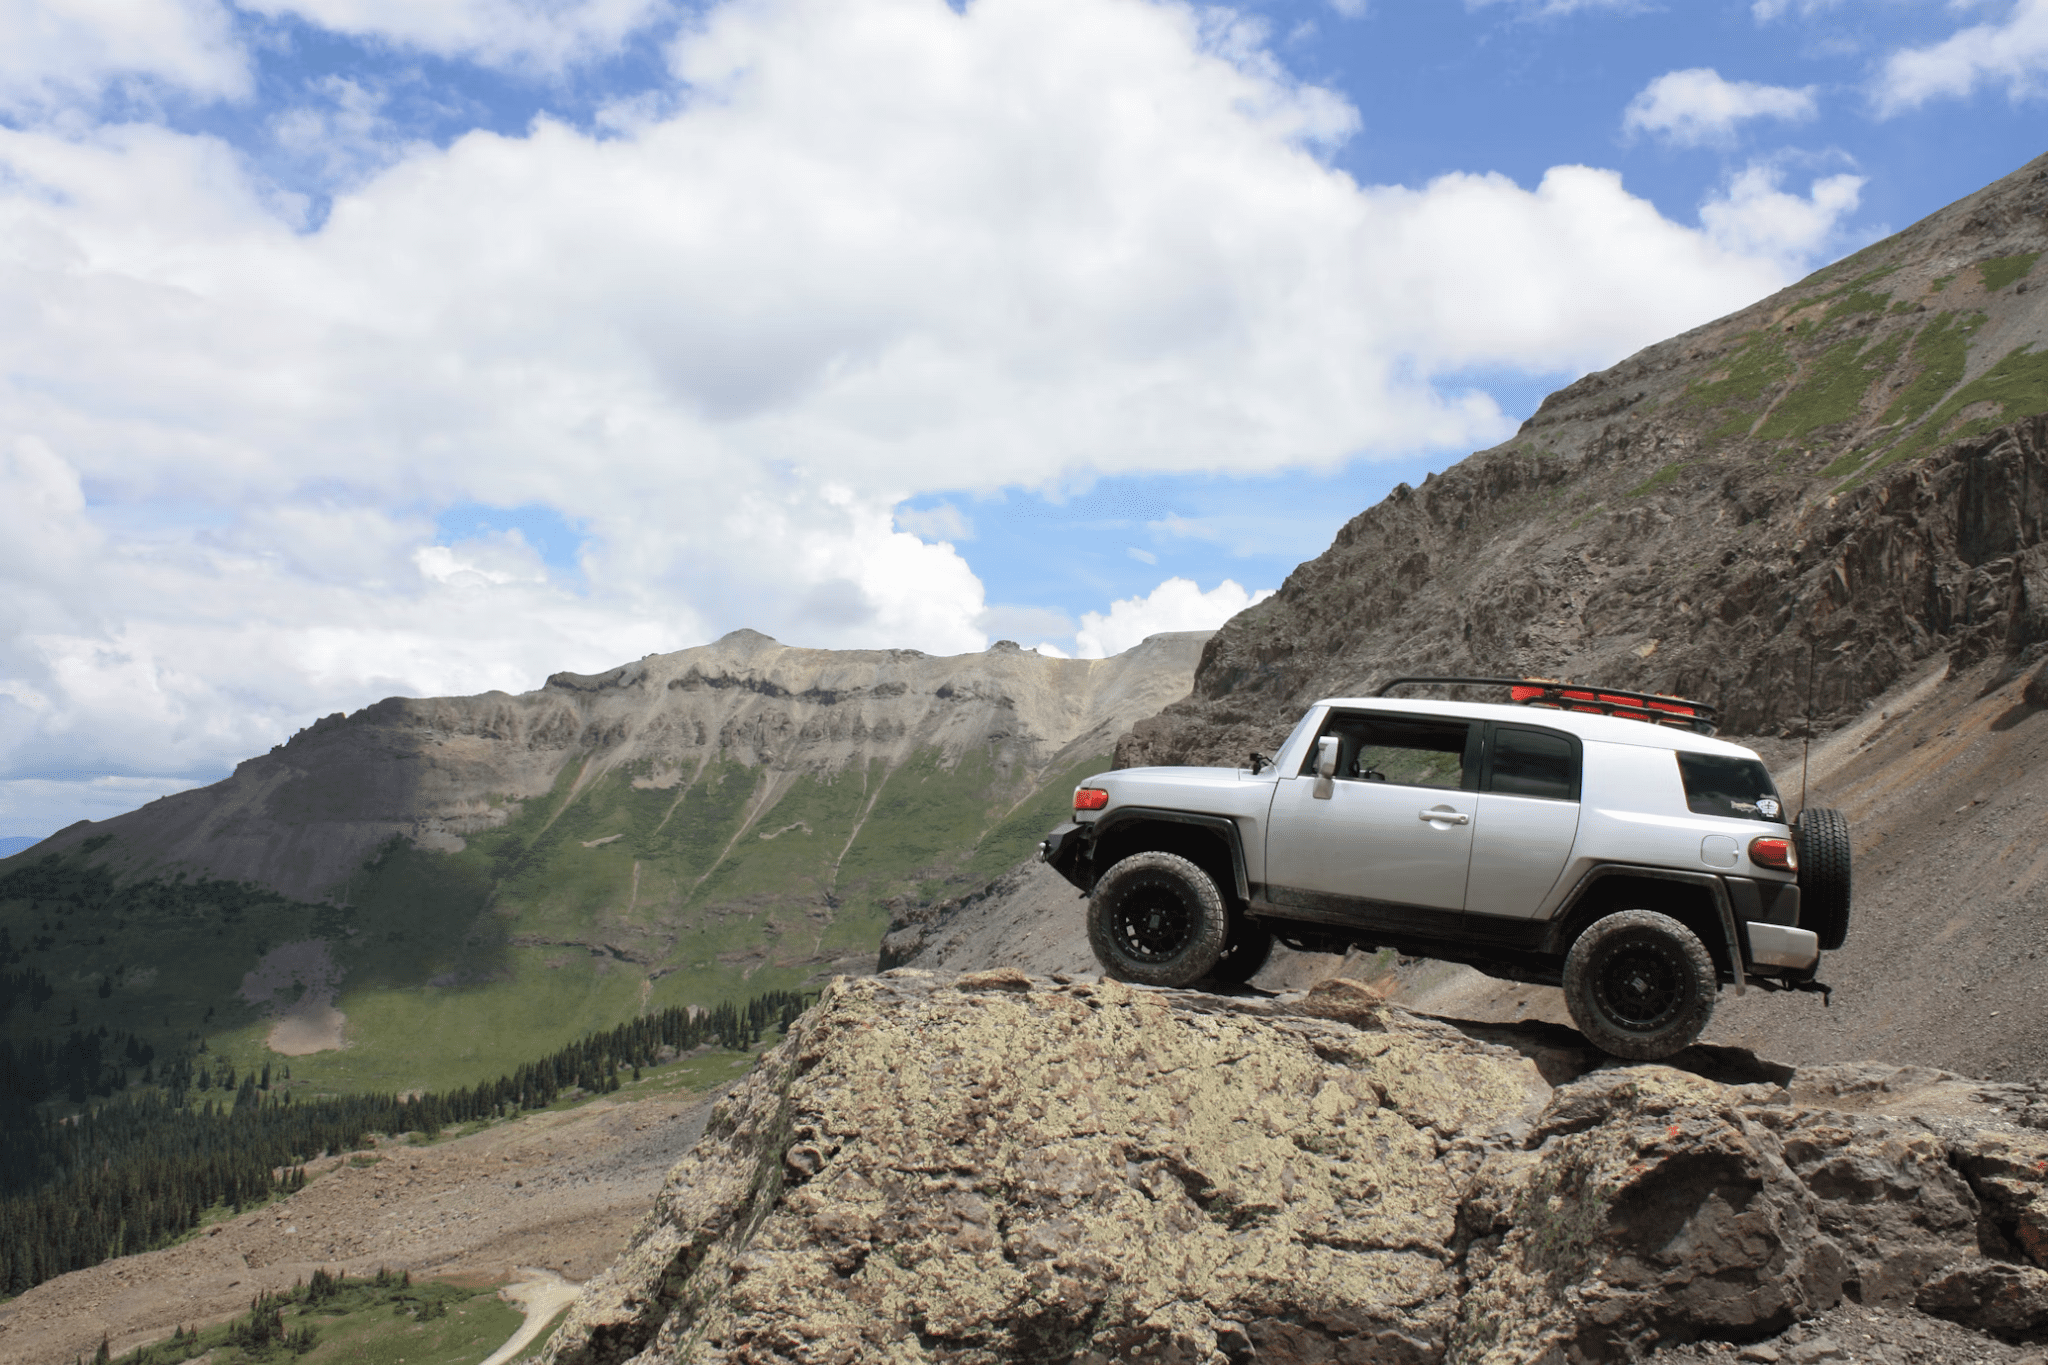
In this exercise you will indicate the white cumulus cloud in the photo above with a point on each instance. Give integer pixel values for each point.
(1476, 270)
(1757, 218)
(55, 52)
(1176, 604)
(866, 252)
(541, 35)
(2012, 52)
(1698, 106)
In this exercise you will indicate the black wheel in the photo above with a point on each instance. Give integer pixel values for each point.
(1157, 919)
(1823, 839)
(1639, 985)
(1250, 944)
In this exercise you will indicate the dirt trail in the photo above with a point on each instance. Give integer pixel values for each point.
(540, 1294)
(553, 1194)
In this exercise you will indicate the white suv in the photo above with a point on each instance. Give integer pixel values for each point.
(1588, 838)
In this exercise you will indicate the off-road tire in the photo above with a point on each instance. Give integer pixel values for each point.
(1249, 947)
(1639, 985)
(1158, 920)
(1824, 878)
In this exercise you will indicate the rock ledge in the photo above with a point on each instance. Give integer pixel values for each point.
(1002, 1168)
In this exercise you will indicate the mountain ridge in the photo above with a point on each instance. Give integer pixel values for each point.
(210, 831)
(480, 879)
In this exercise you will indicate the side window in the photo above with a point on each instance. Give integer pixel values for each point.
(1407, 753)
(1534, 763)
(1719, 785)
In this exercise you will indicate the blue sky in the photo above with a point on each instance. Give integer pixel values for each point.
(360, 347)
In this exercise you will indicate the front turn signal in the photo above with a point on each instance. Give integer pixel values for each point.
(1090, 798)
(1770, 851)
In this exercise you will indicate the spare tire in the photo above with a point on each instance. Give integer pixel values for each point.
(1824, 879)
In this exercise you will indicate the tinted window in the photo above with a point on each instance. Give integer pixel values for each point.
(1409, 753)
(1740, 787)
(1532, 763)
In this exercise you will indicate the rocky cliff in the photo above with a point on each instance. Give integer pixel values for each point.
(995, 1168)
(1786, 509)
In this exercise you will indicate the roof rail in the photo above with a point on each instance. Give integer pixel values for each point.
(1553, 694)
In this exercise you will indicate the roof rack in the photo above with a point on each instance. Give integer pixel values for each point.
(1555, 695)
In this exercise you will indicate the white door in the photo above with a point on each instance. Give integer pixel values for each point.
(1519, 848)
(1528, 817)
(1395, 826)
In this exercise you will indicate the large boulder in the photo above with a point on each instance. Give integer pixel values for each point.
(997, 1167)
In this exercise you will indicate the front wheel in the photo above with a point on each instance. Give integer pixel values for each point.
(1640, 985)
(1249, 948)
(1157, 919)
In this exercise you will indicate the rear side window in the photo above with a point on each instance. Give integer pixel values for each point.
(1407, 753)
(1716, 785)
(1534, 763)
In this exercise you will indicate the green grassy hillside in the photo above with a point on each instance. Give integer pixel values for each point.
(1874, 361)
(586, 907)
(384, 1319)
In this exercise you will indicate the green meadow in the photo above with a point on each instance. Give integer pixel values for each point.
(371, 1320)
(592, 904)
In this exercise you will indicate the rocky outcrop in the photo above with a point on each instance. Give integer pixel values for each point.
(1000, 1168)
(1783, 511)
(1030, 917)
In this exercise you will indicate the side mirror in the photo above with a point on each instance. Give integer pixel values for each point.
(1326, 756)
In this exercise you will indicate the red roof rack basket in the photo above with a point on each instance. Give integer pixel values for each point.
(1652, 707)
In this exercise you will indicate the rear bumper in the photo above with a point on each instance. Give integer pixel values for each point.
(1778, 945)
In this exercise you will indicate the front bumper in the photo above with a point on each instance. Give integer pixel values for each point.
(1066, 850)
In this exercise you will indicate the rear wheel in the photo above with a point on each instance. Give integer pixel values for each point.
(1639, 985)
(1824, 880)
(1157, 919)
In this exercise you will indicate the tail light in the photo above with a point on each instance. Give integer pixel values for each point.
(1091, 798)
(1770, 851)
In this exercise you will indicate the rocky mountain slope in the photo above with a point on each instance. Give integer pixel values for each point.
(995, 1168)
(1795, 504)
(453, 885)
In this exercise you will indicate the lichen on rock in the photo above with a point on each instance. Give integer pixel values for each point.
(997, 1168)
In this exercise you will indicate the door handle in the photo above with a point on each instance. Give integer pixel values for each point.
(1448, 817)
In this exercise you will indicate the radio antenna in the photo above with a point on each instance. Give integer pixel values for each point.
(1806, 747)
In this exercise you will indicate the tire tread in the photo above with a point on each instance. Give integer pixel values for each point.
(1609, 1037)
(1206, 942)
(1825, 878)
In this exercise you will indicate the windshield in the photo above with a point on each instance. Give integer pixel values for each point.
(1293, 734)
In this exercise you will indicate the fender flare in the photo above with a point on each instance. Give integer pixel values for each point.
(1557, 941)
(1223, 825)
